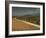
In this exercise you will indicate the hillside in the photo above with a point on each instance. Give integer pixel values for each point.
(19, 25)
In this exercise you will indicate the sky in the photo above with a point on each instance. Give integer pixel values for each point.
(21, 11)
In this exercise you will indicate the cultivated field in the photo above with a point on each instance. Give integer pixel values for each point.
(19, 25)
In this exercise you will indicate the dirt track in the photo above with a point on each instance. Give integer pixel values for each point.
(20, 26)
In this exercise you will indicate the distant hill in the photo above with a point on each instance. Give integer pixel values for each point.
(27, 16)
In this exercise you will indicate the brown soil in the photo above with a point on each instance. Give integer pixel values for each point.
(20, 26)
